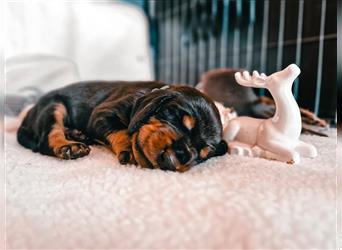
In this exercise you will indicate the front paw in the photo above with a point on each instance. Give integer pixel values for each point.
(126, 157)
(72, 151)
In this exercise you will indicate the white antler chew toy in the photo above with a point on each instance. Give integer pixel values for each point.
(275, 138)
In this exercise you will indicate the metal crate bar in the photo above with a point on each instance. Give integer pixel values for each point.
(195, 36)
(264, 41)
(320, 57)
(281, 35)
(250, 35)
(299, 43)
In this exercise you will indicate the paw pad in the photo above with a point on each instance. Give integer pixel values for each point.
(72, 151)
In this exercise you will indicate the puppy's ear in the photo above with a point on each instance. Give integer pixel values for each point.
(221, 148)
(147, 106)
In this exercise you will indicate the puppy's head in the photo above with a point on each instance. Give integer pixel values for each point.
(175, 129)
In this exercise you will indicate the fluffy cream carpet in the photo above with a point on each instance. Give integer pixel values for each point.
(227, 202)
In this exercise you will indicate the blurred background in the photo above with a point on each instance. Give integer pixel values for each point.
(175, 41)
(191, 37)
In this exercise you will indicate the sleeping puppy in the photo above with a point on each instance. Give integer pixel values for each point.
(170, 127)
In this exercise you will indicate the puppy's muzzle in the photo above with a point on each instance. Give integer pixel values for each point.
(178, 158)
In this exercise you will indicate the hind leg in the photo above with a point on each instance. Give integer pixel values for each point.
(120, 144)
(43, 131)
(61, 146)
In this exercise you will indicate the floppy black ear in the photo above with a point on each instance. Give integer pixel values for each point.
(148, 106)
(221, 148)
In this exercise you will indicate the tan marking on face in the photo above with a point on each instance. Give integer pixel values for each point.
(204, 152)
(189, 122)
(119, 141)
(154, 137)
(56, 137)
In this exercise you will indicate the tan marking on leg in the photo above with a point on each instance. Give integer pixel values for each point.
(57, 141)
(121, 145)
(119, 141)
(310, 118)
(56, 136)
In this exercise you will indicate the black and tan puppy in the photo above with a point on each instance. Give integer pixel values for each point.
(145, 123)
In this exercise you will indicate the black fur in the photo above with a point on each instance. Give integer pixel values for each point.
(96, 109)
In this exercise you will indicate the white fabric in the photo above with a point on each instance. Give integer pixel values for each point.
(105, 40)
(28, 72)
(227, 202)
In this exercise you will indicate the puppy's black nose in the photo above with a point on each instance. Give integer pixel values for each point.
(165, 161)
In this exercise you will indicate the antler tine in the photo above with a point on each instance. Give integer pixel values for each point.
(256, 80)
(256, 74)
(246, 75)
(241, 79)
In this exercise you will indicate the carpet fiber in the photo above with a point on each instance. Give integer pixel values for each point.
(226, 202)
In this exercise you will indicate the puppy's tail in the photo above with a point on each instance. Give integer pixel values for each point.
(12, 124)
